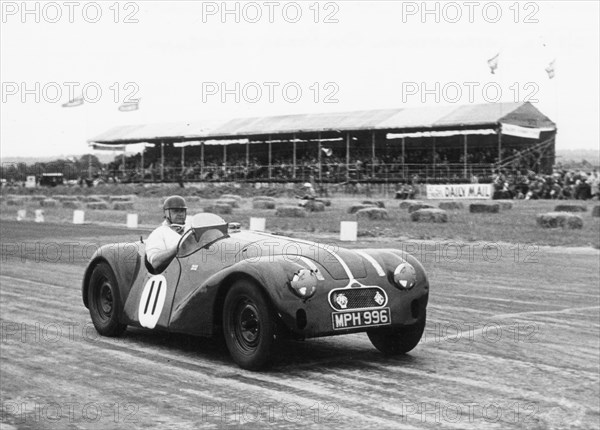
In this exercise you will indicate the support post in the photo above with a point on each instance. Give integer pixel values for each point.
(499, 146)
(270, 155)
(294, 156)
(202, 159)
(247, 158)
(465, 156)
(347, 156)
(143, 169)
(319, 163)
(373, 155)
(182, 159)
(434, 154)
(403, 159)
(162, 161)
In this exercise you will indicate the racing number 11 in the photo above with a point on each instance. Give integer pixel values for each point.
(152, 301)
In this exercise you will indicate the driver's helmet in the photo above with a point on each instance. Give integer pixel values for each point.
(173, 202)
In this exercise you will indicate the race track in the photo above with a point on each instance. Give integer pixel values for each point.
(512, 341)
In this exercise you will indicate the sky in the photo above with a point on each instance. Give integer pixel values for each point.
(196, 61)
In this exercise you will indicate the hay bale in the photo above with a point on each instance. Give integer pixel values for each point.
(377, 203)
(596, 211)
(290, 211)
(15, 200)
(93, 199)
(559, 219)
(429, 215)
(70, 204)
(123, 205)
(480, 208)
(97, 205)
(570, 208)
(49, 203)
(355, 208)
(265, 198)
(219, 209)
(451, 206)
(372, 213)
(505, 205)
(231, 202)
(232, 196)
(326, 202)
(314, 206)
(263, 204)
(418, 206)
(405, 204)
(64, 198)
(124, 198)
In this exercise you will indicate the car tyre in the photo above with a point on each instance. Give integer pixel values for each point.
(248, 325)
(396, 341)
(104, 301)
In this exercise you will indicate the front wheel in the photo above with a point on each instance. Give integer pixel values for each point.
(396, 341)
(104, 301)
(248, 325)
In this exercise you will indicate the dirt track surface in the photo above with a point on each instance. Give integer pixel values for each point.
(511, 342)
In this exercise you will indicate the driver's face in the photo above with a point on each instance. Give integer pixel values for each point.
(177, 216)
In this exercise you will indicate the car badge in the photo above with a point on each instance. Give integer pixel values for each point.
(341, 300)
(379, 299)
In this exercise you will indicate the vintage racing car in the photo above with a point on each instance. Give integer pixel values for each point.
(255, 287)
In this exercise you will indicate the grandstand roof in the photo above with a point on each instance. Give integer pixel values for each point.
(407, 119)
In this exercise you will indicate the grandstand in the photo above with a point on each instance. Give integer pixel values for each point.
(425, 144)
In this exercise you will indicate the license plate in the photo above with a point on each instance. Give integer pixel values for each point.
(354, 319)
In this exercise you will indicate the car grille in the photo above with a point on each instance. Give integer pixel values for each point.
(357, 298)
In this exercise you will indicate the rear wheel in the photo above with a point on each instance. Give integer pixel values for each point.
(396, 341)
(104, 301)
(248, 325)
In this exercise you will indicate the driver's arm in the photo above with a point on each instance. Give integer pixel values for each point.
(161, 246)
(157, 258)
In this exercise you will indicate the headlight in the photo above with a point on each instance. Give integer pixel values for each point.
(405, 276)
(304, 283)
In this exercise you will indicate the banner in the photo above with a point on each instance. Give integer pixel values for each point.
(460, 191)
(515, 130)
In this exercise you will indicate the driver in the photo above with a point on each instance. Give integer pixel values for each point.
(161, 245)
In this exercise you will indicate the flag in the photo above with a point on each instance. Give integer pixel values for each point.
(550, 69)
(327, 151)
(493, 63)
(129, 106)
(78, 101)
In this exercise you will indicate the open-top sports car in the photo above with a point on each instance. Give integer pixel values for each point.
(255, 287)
